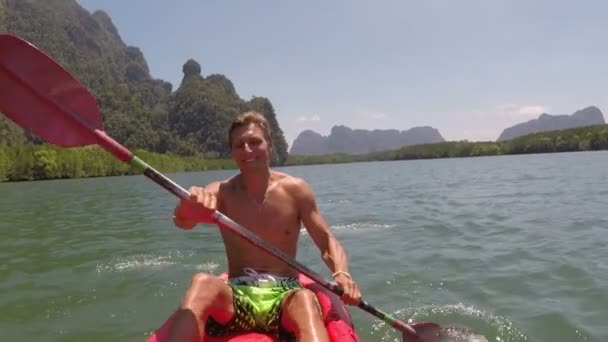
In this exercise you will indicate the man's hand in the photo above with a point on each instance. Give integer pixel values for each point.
(199, 208)
(352, 295)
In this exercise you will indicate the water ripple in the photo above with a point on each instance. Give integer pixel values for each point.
(511, 247)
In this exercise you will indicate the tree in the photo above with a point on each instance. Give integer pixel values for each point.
(279, 144)
(5, 163)
(45, 164)
(10, 133)
(137, 110)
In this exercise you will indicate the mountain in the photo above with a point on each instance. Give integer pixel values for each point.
(585, 117)
(343, 139)
(138, 110)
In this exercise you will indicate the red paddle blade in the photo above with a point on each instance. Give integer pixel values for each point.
(38, 93)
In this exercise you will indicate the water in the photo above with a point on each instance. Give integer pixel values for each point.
(513, 247)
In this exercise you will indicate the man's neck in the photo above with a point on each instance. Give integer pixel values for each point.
(256, 183)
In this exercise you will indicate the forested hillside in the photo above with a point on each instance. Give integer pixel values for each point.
(138, 110)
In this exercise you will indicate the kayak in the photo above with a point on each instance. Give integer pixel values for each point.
(337, 320)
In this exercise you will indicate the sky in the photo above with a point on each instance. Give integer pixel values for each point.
(469, 68)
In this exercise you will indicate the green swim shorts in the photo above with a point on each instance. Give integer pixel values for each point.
(257, 305)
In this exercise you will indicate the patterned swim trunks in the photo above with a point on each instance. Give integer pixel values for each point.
(257, 304)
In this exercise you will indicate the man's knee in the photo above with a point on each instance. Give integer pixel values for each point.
(301, 310)
(307, 300)
(205, 290)
(202, 279)
(304, 296)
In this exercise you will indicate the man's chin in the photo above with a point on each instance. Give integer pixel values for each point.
(252, 167)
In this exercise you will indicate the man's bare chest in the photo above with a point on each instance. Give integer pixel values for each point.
(276, 212)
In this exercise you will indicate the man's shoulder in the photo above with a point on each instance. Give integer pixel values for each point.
(228, 184)
(295, 186)
(287, 180)
(221, 185)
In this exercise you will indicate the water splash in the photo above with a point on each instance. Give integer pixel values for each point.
(148, 261)
(356, 226)
(209, 266)
(135, 263)
(362, 226)
(461, 323)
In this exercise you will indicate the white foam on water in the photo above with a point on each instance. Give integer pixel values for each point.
(460, 323)
(209, 266)
(341, 200)
(356, 226)
(147, 262)
(362, 226)
(137, 262)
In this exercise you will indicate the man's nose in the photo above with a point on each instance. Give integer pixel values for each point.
(247, 148)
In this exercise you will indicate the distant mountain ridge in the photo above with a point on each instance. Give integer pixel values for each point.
(343, 139)
(585, 117)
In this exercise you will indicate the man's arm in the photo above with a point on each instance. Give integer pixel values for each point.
(331, 250)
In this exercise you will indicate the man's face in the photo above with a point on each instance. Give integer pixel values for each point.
(249, 147)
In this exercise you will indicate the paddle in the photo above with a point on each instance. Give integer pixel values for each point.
(39, 94)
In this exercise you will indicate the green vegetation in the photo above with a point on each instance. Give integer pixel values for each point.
(138, 111)
(577, 139)
(34, 162)
(2, 16)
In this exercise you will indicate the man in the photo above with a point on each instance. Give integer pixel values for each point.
(263, 293)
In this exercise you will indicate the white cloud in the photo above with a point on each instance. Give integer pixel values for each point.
(513, 111)
(367, 113)
(377, 116)
(532, 110)
(308, 118)
(488, 123)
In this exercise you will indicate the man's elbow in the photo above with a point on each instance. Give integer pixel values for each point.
(325, 247)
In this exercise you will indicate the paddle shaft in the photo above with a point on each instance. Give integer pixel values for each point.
(224, 221)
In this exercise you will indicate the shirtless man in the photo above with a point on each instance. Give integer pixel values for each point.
(272, 205)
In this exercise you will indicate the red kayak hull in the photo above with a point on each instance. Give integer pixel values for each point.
(337, 320)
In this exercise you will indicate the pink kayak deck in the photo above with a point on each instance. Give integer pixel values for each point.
(337, 320)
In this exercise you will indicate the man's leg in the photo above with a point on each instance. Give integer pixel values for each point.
(301, 314)
(207, 296)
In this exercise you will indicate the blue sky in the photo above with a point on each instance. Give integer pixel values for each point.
(468, 68)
